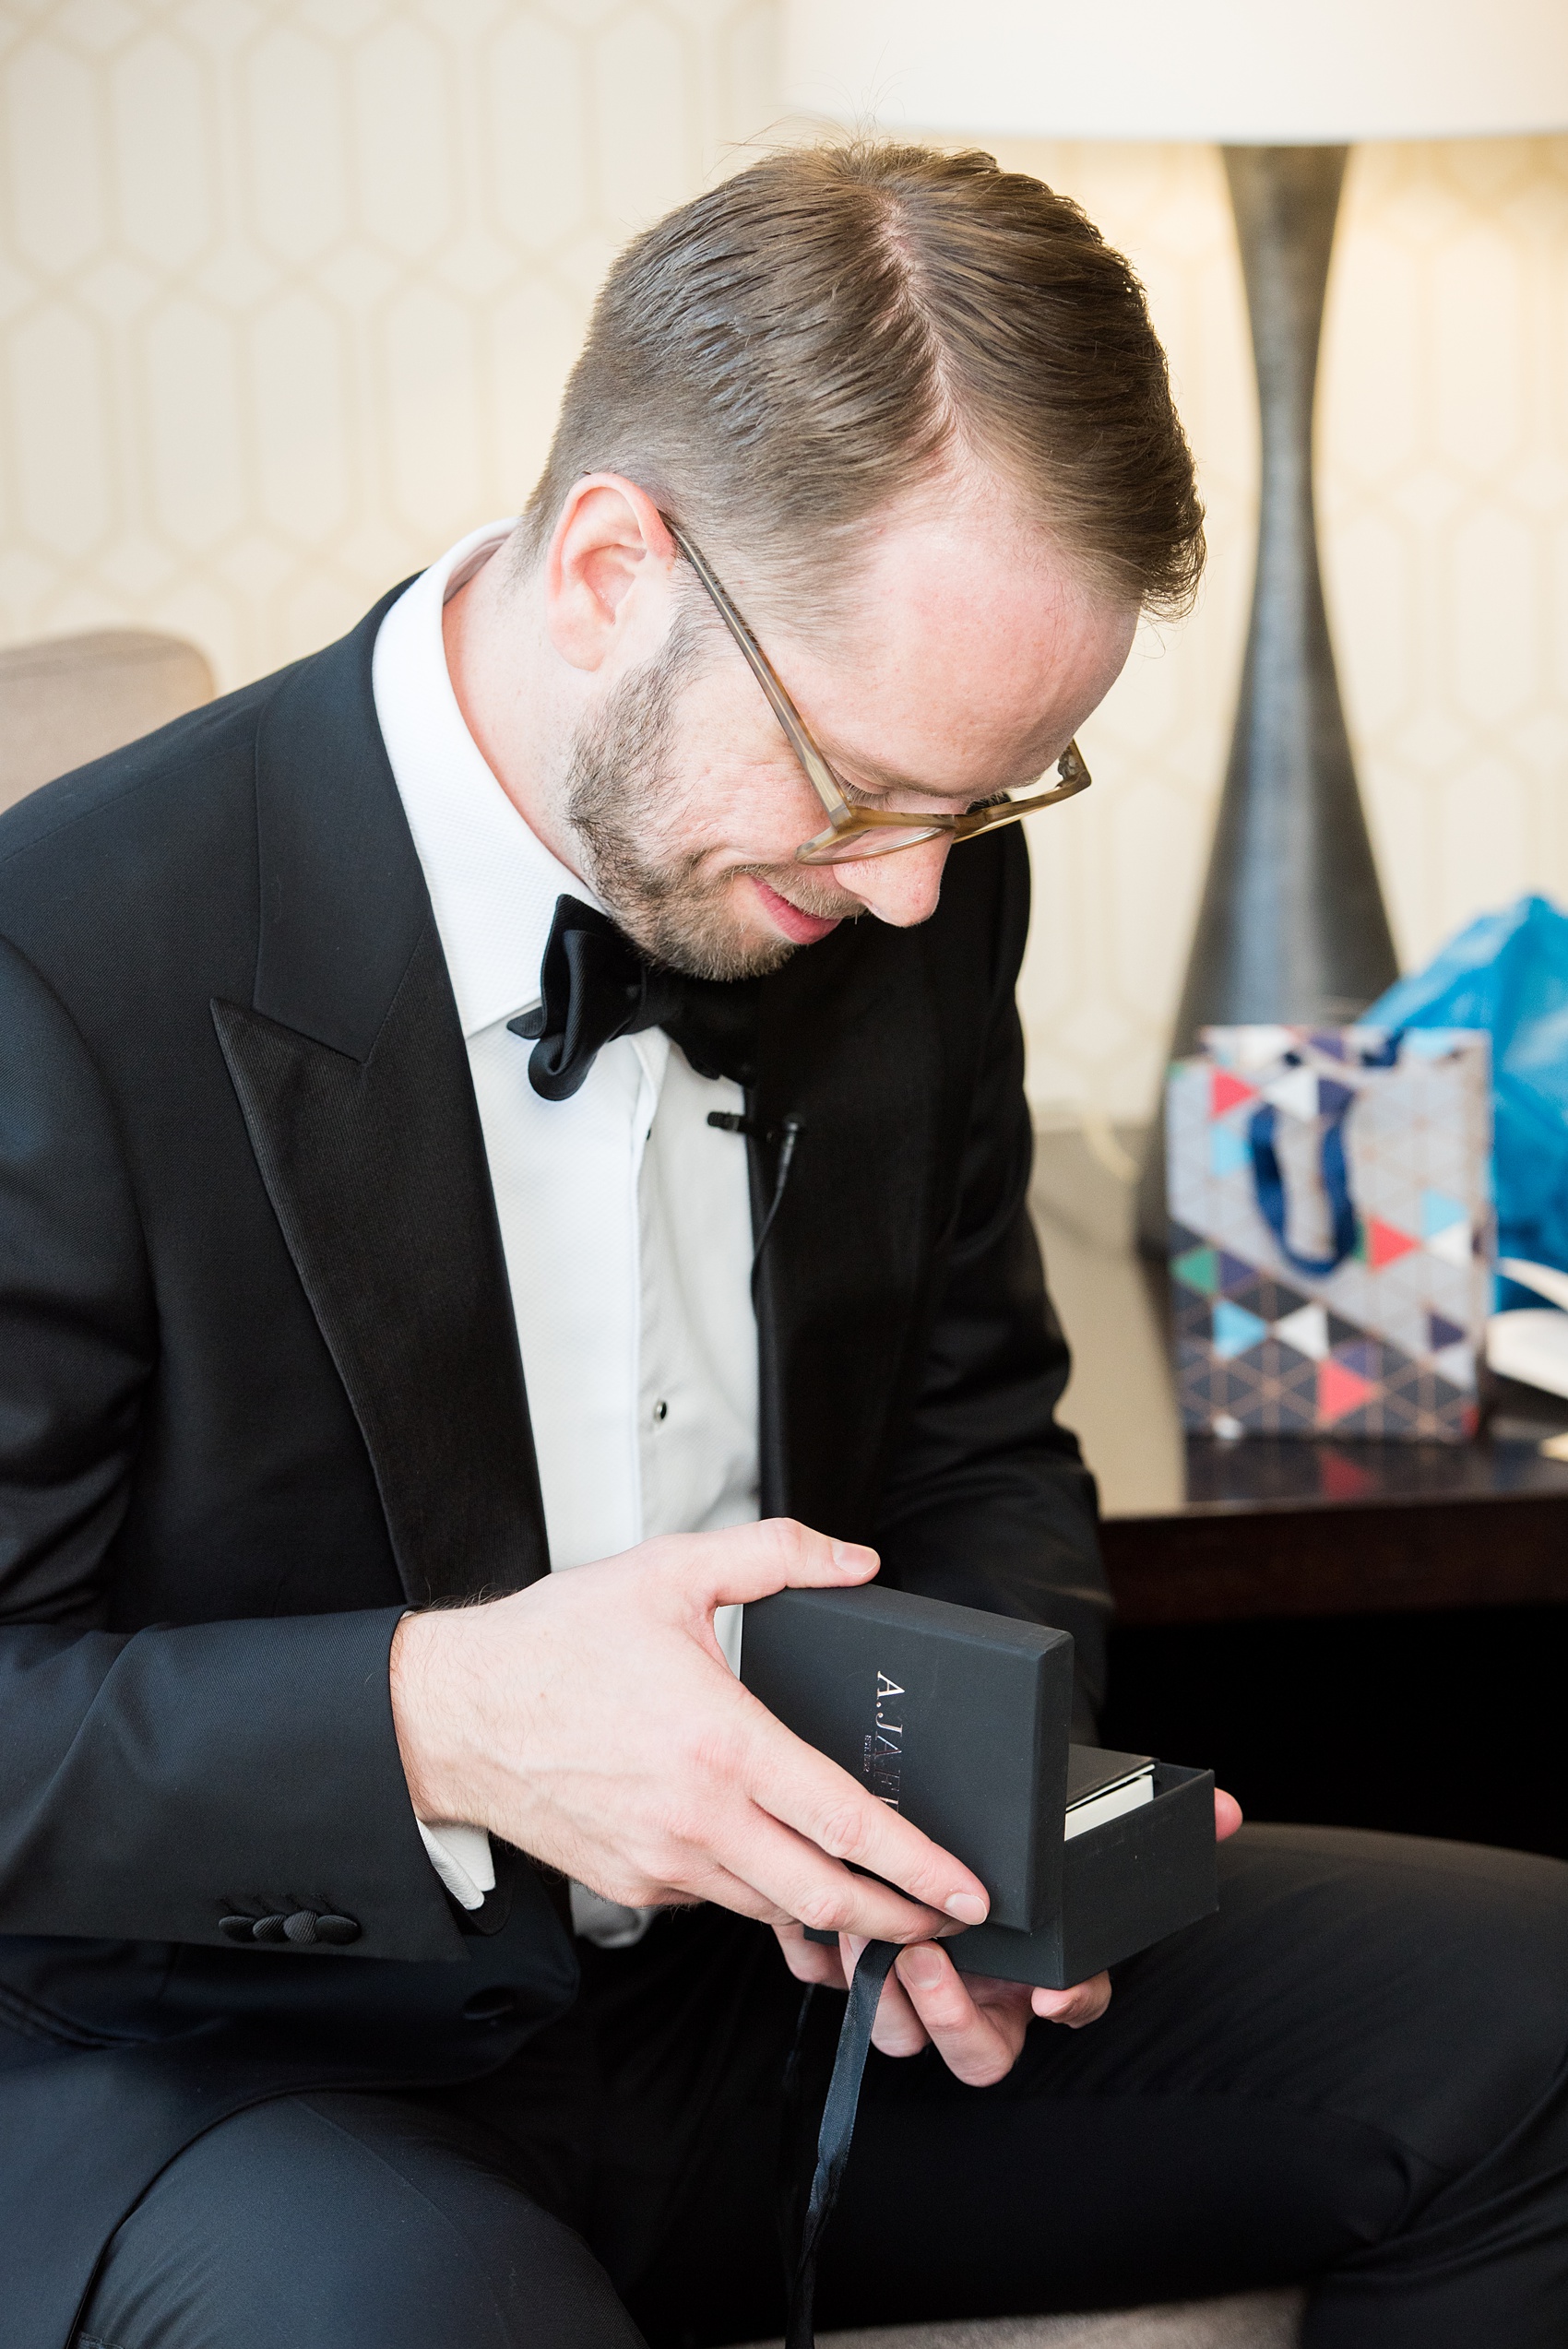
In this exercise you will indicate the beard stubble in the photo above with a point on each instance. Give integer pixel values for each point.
(628, 807)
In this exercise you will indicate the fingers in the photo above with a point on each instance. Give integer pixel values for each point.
(977, 2040)
(1084, 2002)
(753, 1561)
(791, 1870)
(1226, 1814)
(804, 1791)
(687, 1878)
(811, 1961)
(726, 1849)
(976, 2025)
(708, 1881)
(896, 2029)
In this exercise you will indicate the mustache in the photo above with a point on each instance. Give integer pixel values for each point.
(800, 887)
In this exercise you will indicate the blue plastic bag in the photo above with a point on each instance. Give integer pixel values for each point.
(1508, 973)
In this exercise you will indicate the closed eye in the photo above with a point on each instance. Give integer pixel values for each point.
(927, 801)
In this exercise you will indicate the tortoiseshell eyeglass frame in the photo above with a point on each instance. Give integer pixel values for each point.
(852, 831)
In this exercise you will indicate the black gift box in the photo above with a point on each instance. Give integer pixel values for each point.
(959, 1721)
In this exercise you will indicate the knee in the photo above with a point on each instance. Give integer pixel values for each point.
(351, 2220)
(1467, 1993)
(1517, 1955)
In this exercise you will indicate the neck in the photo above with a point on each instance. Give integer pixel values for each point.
(498, 657)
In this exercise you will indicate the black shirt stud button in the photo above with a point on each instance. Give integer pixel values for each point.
(300, 1928)
(234, 1929)
(339, 1931)
(269, 1928)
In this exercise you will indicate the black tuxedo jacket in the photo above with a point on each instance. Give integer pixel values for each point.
(260, 1391)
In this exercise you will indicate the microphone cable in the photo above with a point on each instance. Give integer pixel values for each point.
(787, 1134)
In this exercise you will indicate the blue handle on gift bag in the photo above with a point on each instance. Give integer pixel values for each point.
(1270, 1184)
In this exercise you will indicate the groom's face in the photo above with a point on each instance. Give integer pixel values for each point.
(967, 655)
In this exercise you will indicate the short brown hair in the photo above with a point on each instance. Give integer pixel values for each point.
(785, 355)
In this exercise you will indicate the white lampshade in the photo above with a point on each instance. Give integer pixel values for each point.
(1243, 72)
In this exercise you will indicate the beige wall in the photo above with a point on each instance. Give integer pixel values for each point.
(288, 290)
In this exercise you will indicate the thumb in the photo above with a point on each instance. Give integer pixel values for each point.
(753, 1561)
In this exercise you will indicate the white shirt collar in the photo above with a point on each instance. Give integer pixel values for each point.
(492, 882)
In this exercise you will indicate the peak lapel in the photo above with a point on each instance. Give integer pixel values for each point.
(352, 1077)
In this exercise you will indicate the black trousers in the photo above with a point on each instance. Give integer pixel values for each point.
(1356, 2073)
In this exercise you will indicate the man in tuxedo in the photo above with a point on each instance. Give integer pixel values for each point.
(536, 1088)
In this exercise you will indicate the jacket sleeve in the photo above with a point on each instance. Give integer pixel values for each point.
(156, 1780)
(989, 1503)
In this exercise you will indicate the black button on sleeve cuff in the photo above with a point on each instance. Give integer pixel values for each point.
(301, 1928)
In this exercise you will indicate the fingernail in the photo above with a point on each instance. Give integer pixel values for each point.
(853, 1554)
(920, 1967)
(967, 1907)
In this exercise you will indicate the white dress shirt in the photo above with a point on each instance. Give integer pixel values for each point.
(626, 1218)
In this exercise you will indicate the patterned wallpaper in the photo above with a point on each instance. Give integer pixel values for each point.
(287, 294)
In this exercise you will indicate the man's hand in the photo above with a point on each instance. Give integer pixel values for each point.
(976, 2023)
(592, 1721)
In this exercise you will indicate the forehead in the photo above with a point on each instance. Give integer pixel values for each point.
(968, 647)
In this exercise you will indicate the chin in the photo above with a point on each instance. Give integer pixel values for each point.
(750, 955)
(722, 931)
(710, 948)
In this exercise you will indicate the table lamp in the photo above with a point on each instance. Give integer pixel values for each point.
(1291, 926)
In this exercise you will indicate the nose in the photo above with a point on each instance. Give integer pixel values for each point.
(902, 888)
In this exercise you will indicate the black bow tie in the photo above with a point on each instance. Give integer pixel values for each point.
(596, 986)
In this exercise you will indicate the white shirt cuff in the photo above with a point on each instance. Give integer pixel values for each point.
(462, 1858)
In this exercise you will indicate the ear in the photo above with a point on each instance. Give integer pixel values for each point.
(606, 574)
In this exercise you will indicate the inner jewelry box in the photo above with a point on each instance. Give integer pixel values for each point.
(958, 1720)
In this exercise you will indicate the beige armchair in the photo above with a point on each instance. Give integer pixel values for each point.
(67, 699)
(1252, 2320)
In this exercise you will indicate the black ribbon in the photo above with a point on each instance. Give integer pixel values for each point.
(596, 986)
(837, 2129)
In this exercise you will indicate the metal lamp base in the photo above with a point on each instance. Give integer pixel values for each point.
(1292, 926)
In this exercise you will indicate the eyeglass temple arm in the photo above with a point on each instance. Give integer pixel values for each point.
(824, 782)
(1070, 766)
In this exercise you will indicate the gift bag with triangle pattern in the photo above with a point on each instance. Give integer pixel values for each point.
(1332, 1232)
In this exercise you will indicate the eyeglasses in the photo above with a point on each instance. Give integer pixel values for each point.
(854, 832)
